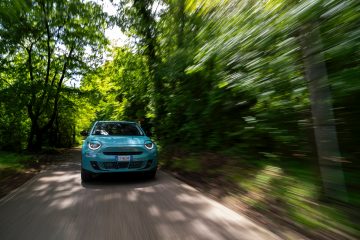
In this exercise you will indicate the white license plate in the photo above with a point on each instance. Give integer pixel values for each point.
(123, 158)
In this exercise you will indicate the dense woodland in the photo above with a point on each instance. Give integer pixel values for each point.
(270, 79)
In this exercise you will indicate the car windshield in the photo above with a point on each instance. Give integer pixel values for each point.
(117, 129)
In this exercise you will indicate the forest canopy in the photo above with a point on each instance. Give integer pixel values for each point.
(272, 79)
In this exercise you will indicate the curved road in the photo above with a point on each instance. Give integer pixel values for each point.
(55, 205)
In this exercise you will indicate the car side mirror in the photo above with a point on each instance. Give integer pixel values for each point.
(84, 133)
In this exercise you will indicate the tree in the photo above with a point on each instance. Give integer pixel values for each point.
(120, 88)
(327, 145)
(137, 17)
(52, 41)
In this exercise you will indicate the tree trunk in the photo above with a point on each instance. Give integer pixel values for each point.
(146, 28)
(329, 158)
(35, 137)
(38, 141)
(31, 138)
(73, 135)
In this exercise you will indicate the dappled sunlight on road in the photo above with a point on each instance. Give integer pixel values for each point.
(56, 205)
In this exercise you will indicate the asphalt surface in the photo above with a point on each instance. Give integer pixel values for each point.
(56, 205)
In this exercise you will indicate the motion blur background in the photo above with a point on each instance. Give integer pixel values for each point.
(260, 98)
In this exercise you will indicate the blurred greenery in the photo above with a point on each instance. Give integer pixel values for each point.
(287, 189)
(14, 160)
(258, 82)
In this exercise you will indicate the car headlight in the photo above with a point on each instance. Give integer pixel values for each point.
(149, 145)
(94, 145)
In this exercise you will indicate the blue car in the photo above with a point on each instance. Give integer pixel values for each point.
(117, 147)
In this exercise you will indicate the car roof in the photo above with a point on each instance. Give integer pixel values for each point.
(115, 121)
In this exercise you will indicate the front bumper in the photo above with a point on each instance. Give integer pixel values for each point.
(98, 162)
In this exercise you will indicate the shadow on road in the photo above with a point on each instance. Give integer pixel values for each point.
(110, 180)
(56, 205)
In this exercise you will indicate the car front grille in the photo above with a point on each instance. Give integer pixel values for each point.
(122, 153)
(121, 165)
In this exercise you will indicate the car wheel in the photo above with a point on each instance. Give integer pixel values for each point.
(85, 176)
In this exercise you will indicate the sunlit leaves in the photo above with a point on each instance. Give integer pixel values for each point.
(120, 90)
(45, 44)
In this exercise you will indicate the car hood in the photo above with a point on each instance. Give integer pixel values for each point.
(120, 140)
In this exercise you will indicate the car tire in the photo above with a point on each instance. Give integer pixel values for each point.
(85, 176)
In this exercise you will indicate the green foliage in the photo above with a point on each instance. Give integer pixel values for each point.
(224, 73)
(13, 160)
(44, 44)
(120, 89)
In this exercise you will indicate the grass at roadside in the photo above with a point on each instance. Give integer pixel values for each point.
(292, 192)
(15, 161)
(286, 189)
(17, 168)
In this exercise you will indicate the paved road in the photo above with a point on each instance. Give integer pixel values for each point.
(55, 205)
